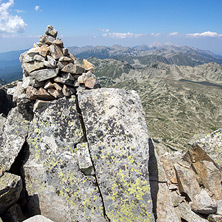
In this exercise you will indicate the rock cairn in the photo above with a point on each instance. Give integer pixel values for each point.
(50, 71)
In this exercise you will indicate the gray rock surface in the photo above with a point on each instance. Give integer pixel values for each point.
(15, 133)
(52, 171)
(10, 189)
(219, 207)
(44, 74)
(38, 218)
(118, 142)
(203, 204)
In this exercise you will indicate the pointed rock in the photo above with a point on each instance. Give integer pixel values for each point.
(58, 42)
(33, 94)
(88, 66)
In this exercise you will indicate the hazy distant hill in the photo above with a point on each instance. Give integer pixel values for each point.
(10, 66)
(167, 53)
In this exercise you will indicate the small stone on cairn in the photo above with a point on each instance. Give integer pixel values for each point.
(50, 71)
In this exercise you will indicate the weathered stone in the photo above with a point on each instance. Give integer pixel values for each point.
(30, 81)
(47, 39)
(49, 85)
(212, 144)
(51, 62)
(51, 31)
(187, 181)
(65, 59)
(210, 176)
(38, 218)
(68, 91)
(44, 50)
(219, 207)
(55, 93)
(88, 79)
(56, 51)
(58, 42)
(39, 104)
(24, 57)
(57, 86)
(88, 66)
(118, 143)
(15, 132)
(162, 202)
(32, 66)
(214, 218)
(65, 51)
(32, 52)
(61, 65)
(39, 58)
(203, 204)
(71, 56)
(184, 212)
(52, 172)
(73, 69)
(10, 189)
(44, 74)
(14, 214)
(84, 159)
(176, 198)
(66, 78)
(18, 91)
(33, 94)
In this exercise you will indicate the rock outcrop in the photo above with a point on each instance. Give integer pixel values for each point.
(81, 153)
(71, 151)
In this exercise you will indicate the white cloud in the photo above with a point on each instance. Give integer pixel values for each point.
(155, 34)
(10, 23)
(19, 11)
(37, 7)
(205, 34)
(103, 30)
(173, 33)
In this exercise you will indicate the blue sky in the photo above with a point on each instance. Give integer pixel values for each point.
(196, 23)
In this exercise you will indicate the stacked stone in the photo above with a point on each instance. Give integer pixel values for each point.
(50, 71)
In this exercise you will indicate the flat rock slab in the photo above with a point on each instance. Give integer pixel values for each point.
(14, 135)
(44, 74)
(52, 172)
(118, 141)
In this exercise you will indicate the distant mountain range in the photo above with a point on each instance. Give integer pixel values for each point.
(137, 57)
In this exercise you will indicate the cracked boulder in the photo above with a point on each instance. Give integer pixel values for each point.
(14, 135)
(10, 189)
(56, 185)
(118, 141)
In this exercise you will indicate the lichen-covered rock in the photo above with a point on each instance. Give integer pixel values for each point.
(214, 218)
(10, 189)
(52, 171)
(15, 133)
(118, 142)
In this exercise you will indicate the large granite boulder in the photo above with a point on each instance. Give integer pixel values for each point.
(117, 136)
(56, 185)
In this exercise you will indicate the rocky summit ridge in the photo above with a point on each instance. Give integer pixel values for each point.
(74, 152)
